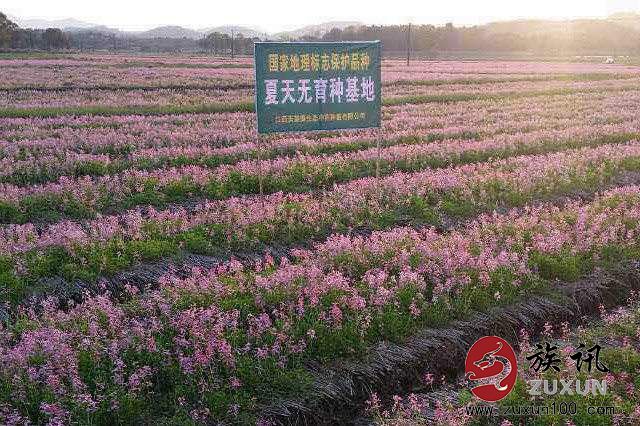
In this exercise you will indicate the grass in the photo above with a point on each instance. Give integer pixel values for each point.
(35, 55)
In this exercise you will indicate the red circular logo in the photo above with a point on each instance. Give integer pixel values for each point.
(491, 368)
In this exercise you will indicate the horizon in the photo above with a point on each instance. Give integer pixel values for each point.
(141, 17)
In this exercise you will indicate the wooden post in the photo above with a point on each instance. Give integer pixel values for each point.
(378, 145)
(259, 144)
(378, 180)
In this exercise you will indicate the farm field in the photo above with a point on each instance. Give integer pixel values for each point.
(159, 265)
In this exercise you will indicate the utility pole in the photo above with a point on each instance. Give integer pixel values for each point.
(232, 49)
(408, 43)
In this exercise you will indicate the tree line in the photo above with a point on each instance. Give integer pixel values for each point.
(14, 37)
(541, 37)
(221, 43)
(610, 37)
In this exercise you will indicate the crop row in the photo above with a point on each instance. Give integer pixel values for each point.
(45, 160)
(68, 78)
(113, 78)
(416, 66)
(510, 67)
(55, 143)
(188, 97)
(84, 197)
(86, 250)
(161, 107)
(124, 97)
(110, 60)
(409, 89)
(136, 130)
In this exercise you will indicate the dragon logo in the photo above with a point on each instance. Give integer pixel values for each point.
(491, 368)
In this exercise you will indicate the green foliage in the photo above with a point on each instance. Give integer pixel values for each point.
(564, 266)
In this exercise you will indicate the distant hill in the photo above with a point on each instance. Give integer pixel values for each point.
(592, 32)
(227, 29)
(629, 20)
(538, 26)
(625, 15)
(63, 24)
(171, 31)
(95, 29)
(174, 31)
(616, 35)
(315, 30)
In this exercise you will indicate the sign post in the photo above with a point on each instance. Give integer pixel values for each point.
(317, 86)
(379, 147)
(259, 144)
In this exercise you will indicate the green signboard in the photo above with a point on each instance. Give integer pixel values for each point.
(317, 86)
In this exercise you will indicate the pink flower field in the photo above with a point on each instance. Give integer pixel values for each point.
(160, 264)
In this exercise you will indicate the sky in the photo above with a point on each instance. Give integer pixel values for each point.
(274, 16)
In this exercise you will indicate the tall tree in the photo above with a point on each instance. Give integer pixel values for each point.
(7, 31)
(55, 39)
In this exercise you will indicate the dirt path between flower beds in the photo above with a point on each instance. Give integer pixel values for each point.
(340, 392)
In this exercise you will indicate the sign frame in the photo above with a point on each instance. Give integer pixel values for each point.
(307, 115)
